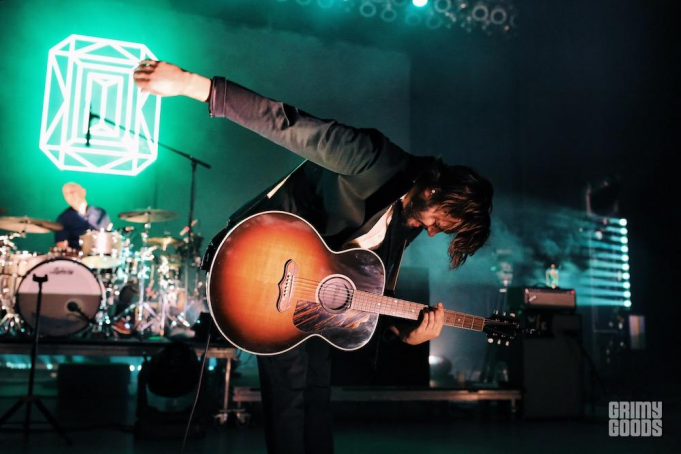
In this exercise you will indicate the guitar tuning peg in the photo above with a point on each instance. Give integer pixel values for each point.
(508, 343)
(504, 314)
(499, 342)
(512, 314)
(490, 340)
(496, 312)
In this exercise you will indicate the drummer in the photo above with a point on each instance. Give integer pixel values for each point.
(79, 217)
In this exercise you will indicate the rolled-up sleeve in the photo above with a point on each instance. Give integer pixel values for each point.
(332, 145)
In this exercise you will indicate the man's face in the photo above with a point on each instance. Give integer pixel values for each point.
(74, 194)
(420, 213)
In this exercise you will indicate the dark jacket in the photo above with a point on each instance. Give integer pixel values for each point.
(350, 178)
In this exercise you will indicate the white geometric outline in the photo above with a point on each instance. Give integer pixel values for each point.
(76, 64)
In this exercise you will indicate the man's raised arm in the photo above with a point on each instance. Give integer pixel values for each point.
(336, 147)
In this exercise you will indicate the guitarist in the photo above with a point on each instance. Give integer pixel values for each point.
(358, 189)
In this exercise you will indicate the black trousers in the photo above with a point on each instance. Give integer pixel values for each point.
(295, 396)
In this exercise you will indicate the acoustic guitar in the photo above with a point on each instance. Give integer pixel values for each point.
(274, 283)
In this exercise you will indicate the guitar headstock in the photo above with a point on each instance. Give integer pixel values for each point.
(501, 328)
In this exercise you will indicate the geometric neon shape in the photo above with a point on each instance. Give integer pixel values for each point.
(86, 74)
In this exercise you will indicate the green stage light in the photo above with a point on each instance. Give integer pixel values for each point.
(625, 248)
(623, 222)
(627, 303)
(625, 267)
(94, 75)
(420, 3)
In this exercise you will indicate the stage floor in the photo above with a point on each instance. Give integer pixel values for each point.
(360, 427)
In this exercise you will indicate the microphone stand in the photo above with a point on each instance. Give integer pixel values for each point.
(31, 399)
(192, 194)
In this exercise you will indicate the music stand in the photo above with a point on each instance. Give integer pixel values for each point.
(30, 399)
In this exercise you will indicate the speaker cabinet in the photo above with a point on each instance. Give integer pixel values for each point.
(548, 368)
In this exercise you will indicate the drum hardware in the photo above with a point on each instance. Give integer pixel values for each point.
(107, 259)
(66, 252)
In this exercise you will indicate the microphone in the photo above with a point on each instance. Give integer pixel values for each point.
(88, 136)
(74, 307)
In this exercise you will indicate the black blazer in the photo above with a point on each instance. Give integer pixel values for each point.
(351, 176)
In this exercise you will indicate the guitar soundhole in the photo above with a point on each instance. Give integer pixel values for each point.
(335, 293)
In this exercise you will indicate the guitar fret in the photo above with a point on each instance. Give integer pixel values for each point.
(369, 302)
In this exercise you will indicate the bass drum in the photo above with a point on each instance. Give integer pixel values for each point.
(72, 296)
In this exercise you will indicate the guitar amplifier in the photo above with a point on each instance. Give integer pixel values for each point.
(556, 299)
(548, 368)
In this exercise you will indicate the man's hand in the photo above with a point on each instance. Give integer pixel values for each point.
(430, 327)
(165, 79)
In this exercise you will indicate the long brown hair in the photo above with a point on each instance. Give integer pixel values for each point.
(466, 197)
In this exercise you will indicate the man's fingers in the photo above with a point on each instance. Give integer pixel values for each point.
(148, 63)
(440, 313)
(428, 317)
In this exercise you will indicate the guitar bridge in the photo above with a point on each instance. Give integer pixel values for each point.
(287, 286)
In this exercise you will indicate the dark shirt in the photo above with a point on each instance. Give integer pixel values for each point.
(75, 224)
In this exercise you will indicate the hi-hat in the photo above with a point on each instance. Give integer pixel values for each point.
(24, 224)
(164, 241)
(148, 216)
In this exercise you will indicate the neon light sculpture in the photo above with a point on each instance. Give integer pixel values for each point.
(86, 74)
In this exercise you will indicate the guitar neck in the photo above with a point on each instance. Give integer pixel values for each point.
(368, 302)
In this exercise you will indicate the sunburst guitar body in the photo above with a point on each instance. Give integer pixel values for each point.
(274, 283)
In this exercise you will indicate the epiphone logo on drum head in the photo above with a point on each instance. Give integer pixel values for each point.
(59, 270)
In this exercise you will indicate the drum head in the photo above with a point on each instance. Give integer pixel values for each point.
(68, 282)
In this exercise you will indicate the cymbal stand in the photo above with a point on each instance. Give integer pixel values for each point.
(169, 318)
(143, 307)
(102, 326)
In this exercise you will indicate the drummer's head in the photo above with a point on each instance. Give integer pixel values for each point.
(74, 194)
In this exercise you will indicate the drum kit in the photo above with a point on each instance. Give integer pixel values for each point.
(107, 288)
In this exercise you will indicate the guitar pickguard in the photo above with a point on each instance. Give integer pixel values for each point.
(311, 317)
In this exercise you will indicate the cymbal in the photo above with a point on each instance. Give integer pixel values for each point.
(28, 225)
(164, 241)
(148, 216)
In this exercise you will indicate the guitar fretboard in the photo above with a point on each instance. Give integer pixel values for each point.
(368, 302)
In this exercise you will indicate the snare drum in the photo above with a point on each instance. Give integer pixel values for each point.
(72, 296)
(102, 250)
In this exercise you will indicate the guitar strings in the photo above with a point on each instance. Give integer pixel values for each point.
(310, 287)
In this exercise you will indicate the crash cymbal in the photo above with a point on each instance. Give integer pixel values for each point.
(28, 225)
(164, 241)
(148, 216)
